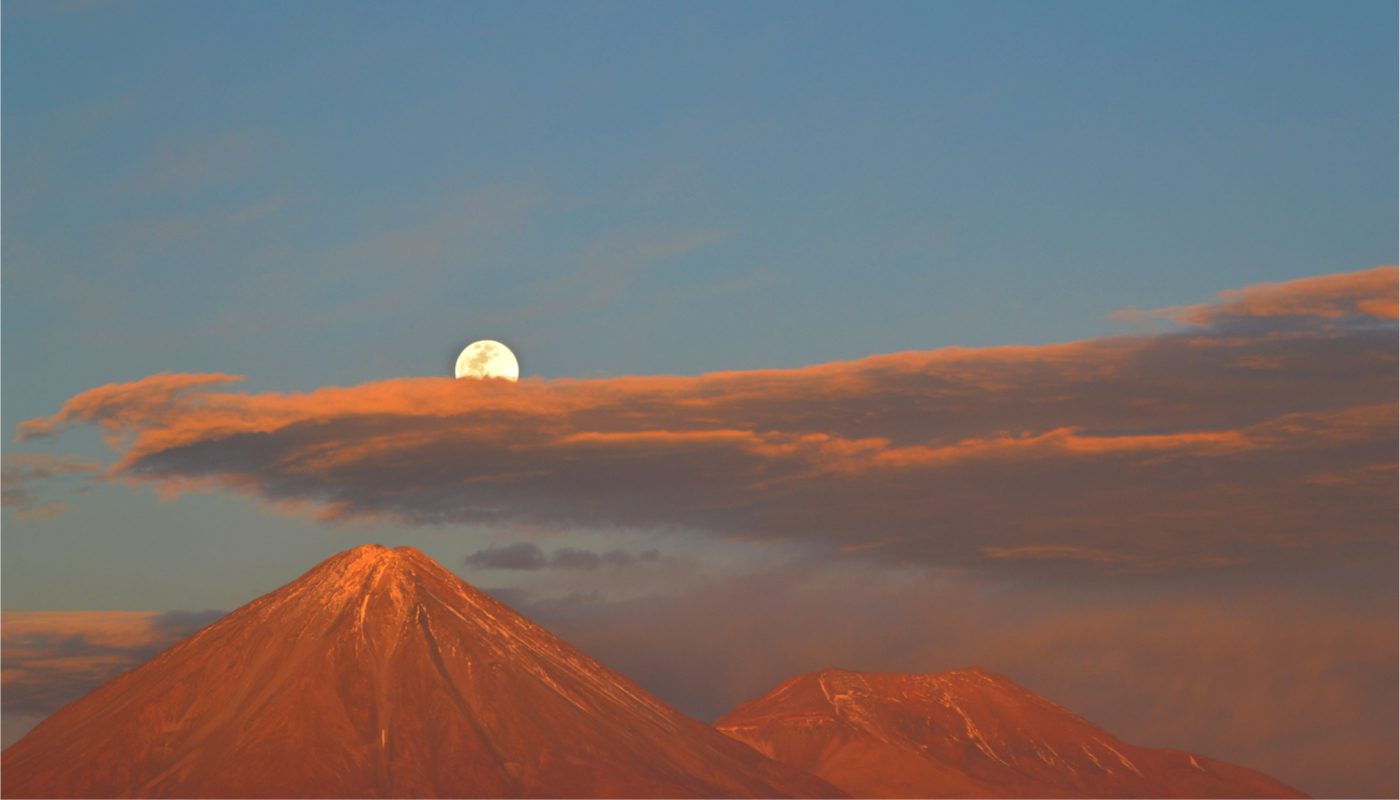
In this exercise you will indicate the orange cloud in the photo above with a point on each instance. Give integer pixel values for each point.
(1370, 293)
(108, 629)
(121, 406)
(1154, 452)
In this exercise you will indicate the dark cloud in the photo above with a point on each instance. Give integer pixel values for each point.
(1264, 433)
(54, 657)
(624, 558)
(521, 555)
(574, 558)
(527, 556)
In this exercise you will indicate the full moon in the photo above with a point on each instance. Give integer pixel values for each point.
(487, 359)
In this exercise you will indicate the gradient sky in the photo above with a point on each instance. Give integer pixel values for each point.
(324, 195)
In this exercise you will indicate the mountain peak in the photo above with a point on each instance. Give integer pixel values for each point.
(370, 583)
(369, 554)
(380, 673)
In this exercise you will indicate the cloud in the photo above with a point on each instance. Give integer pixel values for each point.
(1193, 449)
(1367, 294)
(527, 556)
(49, 510)
(55, 657)
(23, 472)
(1052, 551)
(573, 558)
(521, 555)
(195, 163)
(124, 405)
(429, 245)
(160, 231)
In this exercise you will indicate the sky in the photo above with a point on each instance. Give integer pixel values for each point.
(1057, 338)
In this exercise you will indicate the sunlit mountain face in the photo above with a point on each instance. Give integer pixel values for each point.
(380, 674)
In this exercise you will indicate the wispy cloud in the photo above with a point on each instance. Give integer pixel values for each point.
(1053, 551)
(158, 231)
(604, 268)
(23, 473)
(217, 159)
(1190, 449)
(528, 556)
(378, 268)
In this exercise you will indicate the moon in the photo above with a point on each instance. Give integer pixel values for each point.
(488, 358)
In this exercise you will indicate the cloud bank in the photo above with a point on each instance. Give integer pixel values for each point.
(1262, 433)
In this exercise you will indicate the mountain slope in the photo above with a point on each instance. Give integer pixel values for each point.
(966, 733)
(380, 673)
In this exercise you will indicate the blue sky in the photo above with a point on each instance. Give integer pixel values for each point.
(328, 193)
(316, 194)
(325, 194)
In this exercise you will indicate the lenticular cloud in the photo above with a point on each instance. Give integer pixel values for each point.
(1263, 431)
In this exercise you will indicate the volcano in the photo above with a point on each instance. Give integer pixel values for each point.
(381, 674)
(966, 733)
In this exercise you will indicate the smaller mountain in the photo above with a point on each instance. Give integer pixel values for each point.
(966, 733)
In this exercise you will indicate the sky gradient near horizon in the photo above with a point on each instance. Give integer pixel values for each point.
(830, 318)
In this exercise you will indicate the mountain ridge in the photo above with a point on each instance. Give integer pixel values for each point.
(966, 733)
